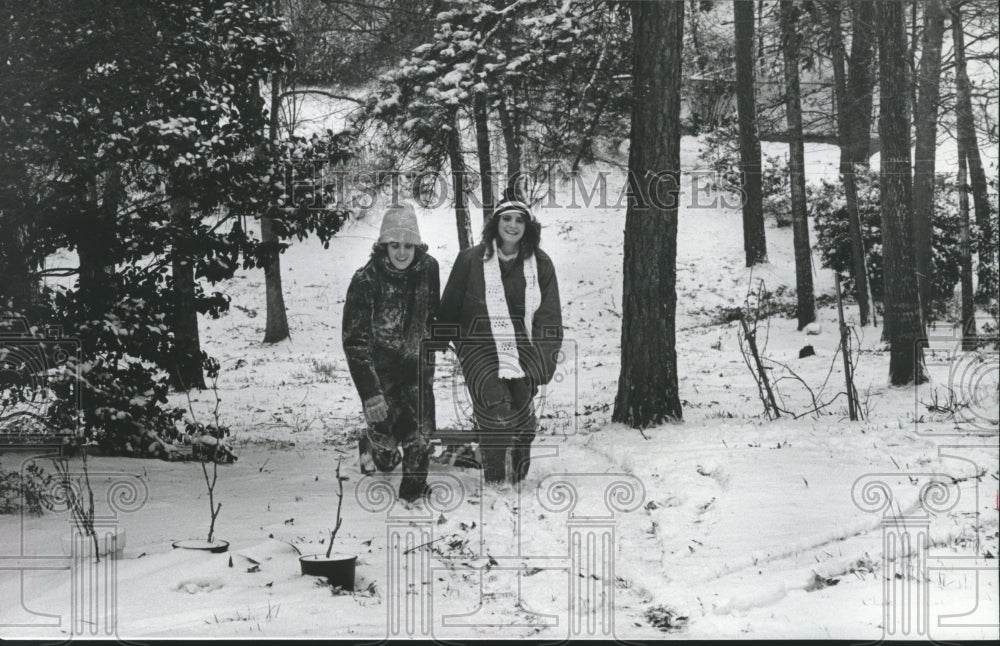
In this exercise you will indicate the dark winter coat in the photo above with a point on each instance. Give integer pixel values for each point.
(387, 318)
(463, 309)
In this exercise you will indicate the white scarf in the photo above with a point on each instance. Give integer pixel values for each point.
(496, 306)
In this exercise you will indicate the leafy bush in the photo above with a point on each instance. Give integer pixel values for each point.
(27, 491)
(776, 189)
(828, 207)
(720, 151)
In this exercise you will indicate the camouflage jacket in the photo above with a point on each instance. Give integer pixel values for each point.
(387, 316)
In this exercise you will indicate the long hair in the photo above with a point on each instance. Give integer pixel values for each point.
(528, 244)
(381, 249)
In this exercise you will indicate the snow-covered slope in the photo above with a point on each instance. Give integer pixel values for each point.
(745, 527)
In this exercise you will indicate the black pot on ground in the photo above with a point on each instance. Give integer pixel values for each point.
(213, 547)
(337, 568)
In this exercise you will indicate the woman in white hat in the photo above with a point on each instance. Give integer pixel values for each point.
(390, 305)
(502, 298)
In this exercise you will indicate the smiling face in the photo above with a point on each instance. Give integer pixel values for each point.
(400, 254)
(511, 230)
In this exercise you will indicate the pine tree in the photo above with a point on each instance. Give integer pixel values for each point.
(647, 385)
(903, 325)
(846, 106)
(754, 241)
(977, 176)
(928, 81)
(790, 46)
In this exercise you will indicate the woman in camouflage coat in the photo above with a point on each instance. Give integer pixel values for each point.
(390, 305)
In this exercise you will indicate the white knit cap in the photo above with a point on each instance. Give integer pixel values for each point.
(399, 224)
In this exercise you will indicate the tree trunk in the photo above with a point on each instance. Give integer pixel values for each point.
(967, 133)
(861, 81)
(18, 289)
(512, 145)
(647, 386)
(186, 372)
(912, 60)
(19, 260)
(902, 312)
(96, 264)
(969, 331)
(276, 328)
(699, 57)
(859, 270)
(458, 180)
(481, 110)
(754, 241)
(806, 301)
(759, 58)
(928, 80)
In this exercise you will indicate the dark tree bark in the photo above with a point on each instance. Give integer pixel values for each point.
(759, 58)
(95, 238)
(481, 113)
(18, 287)
(791, 44)
(647, 384)
(861, 80)
(928, 80)
(859, 269)
(754, 241)
(695, 18)
(967, 134)
(186, 372)
(969, 331)
(902, 312)
(913, 56)
(458, 180)
(512, 145)
(276, 328)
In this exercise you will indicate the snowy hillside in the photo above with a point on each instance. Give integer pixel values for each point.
(724, 526)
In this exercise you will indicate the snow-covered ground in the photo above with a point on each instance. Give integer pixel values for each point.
(743, 527)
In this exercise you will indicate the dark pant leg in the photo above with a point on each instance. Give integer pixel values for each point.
(413, 430)
(523, 393)
(491, 401)
(504, 411)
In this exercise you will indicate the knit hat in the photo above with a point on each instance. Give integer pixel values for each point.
(399, 224)
(514, 206)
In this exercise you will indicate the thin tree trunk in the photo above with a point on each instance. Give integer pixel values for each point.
(17, 262)
(806, 301)
(859, 270)
(969, 331)
(754, 240)
(19, 287)
(276, 328)
(699, 58)
(861, 81)
(481, 112)
(759, 58)
(928, 80)
(458, 180)
(912, 61)
(186, 372)
(512, 145)
(967, 133)
(902, 312)
(647, 385)
(96, 266)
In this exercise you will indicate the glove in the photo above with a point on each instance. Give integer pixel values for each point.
(376, 410)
